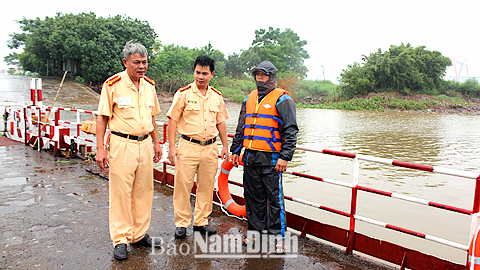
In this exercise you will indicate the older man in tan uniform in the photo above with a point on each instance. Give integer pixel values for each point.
(198, 113)
(128, 103)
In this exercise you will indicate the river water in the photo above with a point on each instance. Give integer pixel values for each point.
(449, 141)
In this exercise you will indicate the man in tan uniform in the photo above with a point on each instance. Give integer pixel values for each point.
(198, 113)
(128, 103)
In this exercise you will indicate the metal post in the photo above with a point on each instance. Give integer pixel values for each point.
(39, 133)
(32, 91)
(79, 126)
(39, 92)
(353, 208)
(25, 123)
(165, 126)
(56, 142)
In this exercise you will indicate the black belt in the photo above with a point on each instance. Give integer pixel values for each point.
(199, 142)
(131, 137)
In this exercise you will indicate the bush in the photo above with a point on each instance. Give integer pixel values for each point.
(470, 88)
(79, 80)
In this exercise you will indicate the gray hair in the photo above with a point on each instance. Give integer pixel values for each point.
(132, 47)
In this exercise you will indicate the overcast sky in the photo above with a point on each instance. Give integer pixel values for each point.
(337, 32)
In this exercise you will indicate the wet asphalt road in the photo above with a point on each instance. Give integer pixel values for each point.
(55, 216)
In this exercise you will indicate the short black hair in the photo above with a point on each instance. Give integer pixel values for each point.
(205, 61)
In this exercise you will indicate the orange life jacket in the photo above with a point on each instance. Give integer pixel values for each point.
(260, 131)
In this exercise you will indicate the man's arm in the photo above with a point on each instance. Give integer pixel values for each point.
(237, 143)
(288, 132)
(101, 156)
(172, 132)
(156, 144)
(222, 132)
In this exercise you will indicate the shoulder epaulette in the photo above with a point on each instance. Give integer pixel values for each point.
(149, 80)
(110, 81)
(216, 91)
(184, 88)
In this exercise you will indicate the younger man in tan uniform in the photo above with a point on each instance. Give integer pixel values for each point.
(128, 104)
(198, 112)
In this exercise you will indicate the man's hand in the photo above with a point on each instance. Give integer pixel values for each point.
(172, 154)
(157, 152)
(101, 158)
(281, 165)
(225, 154)
(235, 160)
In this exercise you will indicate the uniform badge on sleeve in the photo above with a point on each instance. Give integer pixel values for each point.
(152, 82)
(112, 80)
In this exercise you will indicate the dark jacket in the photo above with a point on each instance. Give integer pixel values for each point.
(288, 132)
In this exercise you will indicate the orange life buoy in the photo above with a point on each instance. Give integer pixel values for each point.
(474, 252)
(232, 207)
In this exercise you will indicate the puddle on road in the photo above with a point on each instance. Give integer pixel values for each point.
(13, 181)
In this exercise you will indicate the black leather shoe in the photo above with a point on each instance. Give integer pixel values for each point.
(147, 241)
(120, 252)
(204, 229)
(180, 232)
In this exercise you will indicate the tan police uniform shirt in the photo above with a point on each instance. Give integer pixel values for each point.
(130, 111)
(198, 115)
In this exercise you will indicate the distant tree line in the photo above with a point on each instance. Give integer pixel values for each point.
(94, 44)
(94, 47)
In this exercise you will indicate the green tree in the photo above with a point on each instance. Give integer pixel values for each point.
(403, 68)
(172, 66)
(93, 43)
(284, 49)
(234, 67)
(216, 55)
(12, 59)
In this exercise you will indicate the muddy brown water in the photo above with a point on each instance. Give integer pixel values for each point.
(450, 141)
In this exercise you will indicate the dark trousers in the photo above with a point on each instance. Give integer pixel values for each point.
(264, 200)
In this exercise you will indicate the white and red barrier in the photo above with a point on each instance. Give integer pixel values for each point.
(474, 212)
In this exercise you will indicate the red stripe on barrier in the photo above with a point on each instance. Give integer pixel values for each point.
(451, 208)
(338, 153)
(73, 110)
(412, 165)
(88, 111)
(335, 211)
(376, 191)
(322, 207)
(476, 199)
(422, 235)
(235, 183)
(308, 176)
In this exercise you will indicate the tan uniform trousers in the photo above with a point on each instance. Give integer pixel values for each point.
(193, 158)
(131, 189)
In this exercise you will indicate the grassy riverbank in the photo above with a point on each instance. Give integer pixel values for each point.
(393, 101)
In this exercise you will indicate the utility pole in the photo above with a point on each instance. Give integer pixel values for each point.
(323, 72)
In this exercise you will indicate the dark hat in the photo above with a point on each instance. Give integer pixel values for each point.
(266, 67)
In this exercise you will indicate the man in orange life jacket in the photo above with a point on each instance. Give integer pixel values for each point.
(267, 129)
